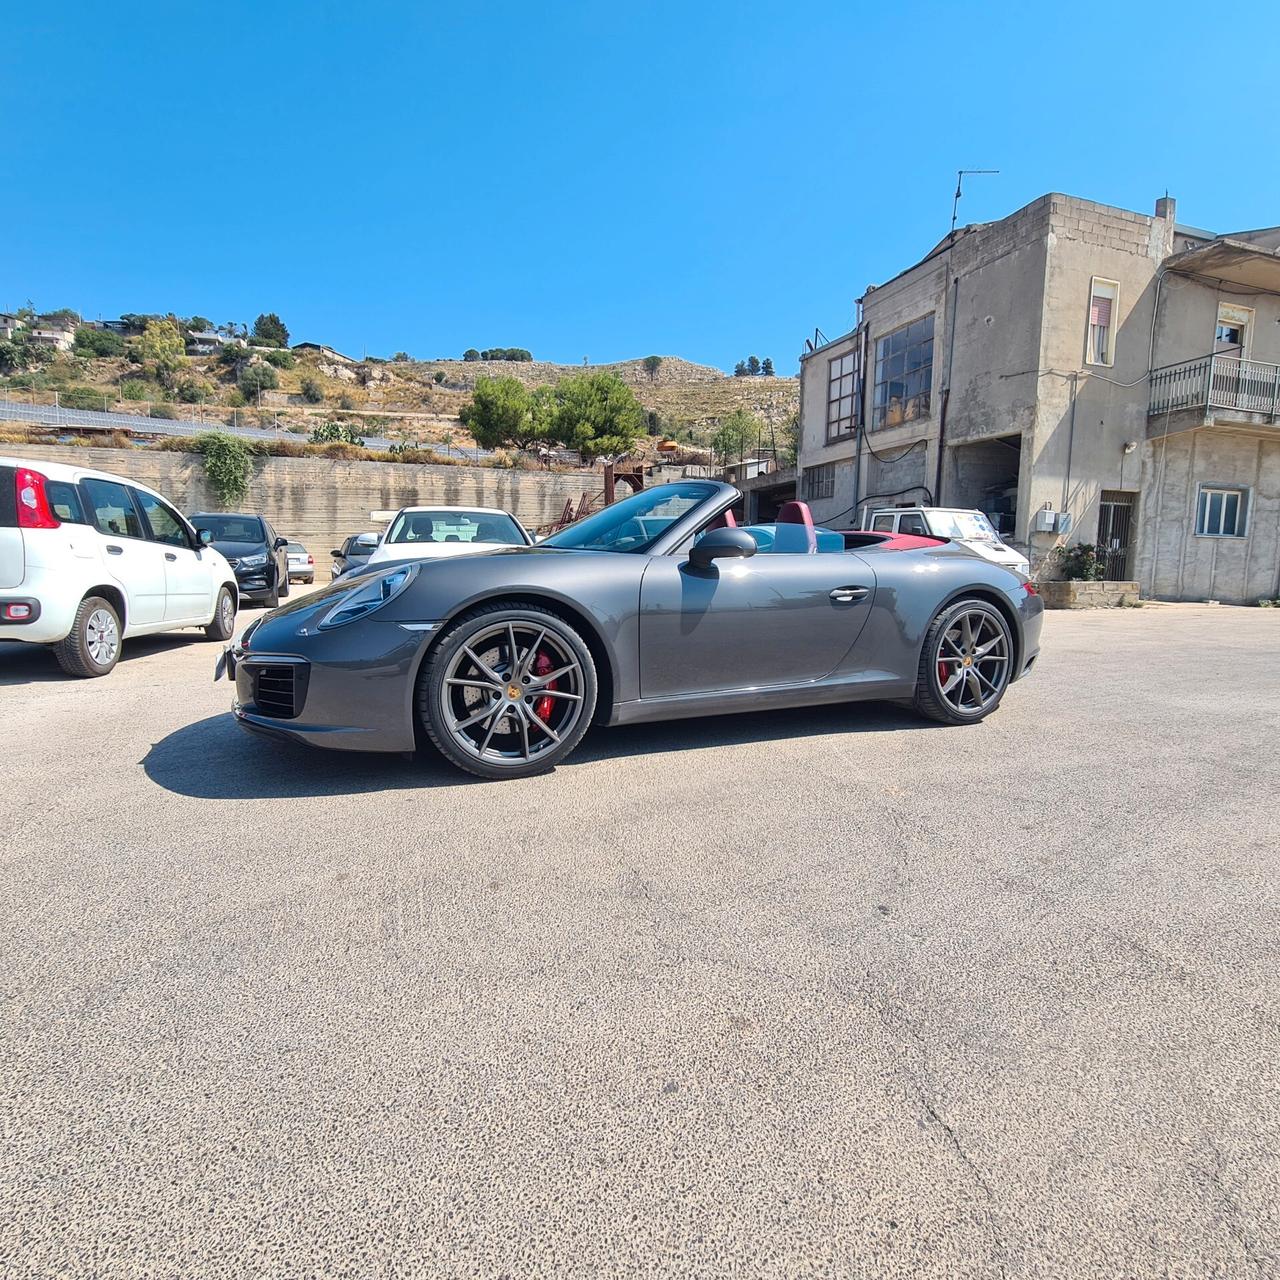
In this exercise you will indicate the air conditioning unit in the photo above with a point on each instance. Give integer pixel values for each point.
(1045, 521)
(1063, 523)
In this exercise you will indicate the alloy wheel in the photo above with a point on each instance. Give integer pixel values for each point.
(512, 693)
(973, 662)
(227, 613)
(102, 637)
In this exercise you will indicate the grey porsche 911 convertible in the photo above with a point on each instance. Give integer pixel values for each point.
(654, 608)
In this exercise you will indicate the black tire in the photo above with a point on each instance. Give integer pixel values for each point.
(223, 625)
(974, 687)
(89, 649)
(283, 593)
(434, 712)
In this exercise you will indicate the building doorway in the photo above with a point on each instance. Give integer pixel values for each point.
(1115, 526)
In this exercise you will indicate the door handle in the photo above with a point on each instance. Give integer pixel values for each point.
(849, 595)
(168, 555)
(113, 550)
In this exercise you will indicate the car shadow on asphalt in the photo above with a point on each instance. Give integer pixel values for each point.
(214, 759)
(35, 664)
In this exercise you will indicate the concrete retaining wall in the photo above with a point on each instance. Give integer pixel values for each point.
(319, 501)
(1060, 594)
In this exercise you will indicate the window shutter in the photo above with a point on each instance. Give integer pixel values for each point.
(1100, 311)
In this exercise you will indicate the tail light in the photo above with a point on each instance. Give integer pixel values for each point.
(34, 511)
(1030, 588)
(311, 559)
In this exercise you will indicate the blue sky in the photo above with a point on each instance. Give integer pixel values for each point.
(588, 179)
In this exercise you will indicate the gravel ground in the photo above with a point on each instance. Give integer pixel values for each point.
(826, 992)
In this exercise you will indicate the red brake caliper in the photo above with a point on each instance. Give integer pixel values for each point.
(542, 707)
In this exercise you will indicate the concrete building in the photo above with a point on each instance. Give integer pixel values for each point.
(57, 332)
(1083, 374)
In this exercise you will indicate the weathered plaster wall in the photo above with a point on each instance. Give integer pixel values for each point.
(1173, 563)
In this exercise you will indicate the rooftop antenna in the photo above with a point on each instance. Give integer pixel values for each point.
(955, 204)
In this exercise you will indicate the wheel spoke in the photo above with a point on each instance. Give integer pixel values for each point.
(482, 664)
(966, 633)
(956, 678)
(524, 730)
(497, 720)
(538, 723)
(955, 648)
(542, 681)
(483, 714)
(525, 667)
(989, 683)
(514, 667)
(560, 693)
(974, 687)
(473, 684)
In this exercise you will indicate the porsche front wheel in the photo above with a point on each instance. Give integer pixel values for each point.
(508, 691)
(965, 663)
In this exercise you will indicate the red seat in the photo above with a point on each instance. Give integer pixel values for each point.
(724, 520)
(794, 530)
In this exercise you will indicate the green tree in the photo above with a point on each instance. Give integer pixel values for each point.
(736, 433)
(162, 344)
(400, 357)
(470, 354)
(311, 390)
(651, 366)
(199, 324)
(597, 414)
(501, 413)
(766, 367)
(753, 366)
(740, 369)
(270, 328)
(12, 357)
(256, 379)
(98, 342)
(788, 440)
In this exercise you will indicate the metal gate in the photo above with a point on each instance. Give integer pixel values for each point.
(1115, 520)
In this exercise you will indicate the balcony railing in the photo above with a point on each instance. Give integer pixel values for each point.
(1217, 382)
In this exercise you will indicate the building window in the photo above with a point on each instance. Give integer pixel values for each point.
(904, 374)
(1104, 298)
(818, 482)
(1222, 513)
(844, 395)
(1231, 337)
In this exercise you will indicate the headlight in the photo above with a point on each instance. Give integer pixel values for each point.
(253, 562)
(373, 595)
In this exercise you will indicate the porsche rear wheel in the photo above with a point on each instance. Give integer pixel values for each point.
(965, 663)
(508, 691)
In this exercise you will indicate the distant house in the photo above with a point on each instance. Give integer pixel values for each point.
(57, 332)
(206, 343)
(326, 353)
(8, 323)
(112, 326)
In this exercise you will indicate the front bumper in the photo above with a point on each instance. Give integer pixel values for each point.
(349, 690)
(1032, 612)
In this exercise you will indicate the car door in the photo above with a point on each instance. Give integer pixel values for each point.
(744, 623)
(128, 555)
(188, 583)
(277, 556)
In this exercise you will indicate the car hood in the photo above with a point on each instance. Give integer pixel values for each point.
(988, 550)
(238, 550)
(435, 550)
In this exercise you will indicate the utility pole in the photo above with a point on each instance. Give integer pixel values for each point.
(955, 204)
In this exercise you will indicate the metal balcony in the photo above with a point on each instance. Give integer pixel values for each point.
(1217, 382)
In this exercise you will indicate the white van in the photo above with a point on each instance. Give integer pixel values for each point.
(88, 559)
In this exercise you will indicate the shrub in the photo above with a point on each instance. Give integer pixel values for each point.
(336, 433)
(81, 398)
(98, 342)
(232, 354)
(1083, 563)
(163, 411)
(346, 402)
(190, 391)
(12, 356)
(311, 390)
(438, 376)
(235, 398)
(134, 389)
(228, 464)
(279, 359)
(256, 379)
(400, 357)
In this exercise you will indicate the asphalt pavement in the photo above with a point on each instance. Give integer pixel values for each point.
(827, 992)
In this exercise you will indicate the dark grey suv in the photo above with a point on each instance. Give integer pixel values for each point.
(255, 551)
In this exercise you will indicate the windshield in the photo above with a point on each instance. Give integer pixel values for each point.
(635, 523)
(961, 524)
(232, 528)
(456, 526)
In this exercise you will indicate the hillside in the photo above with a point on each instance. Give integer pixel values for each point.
(417, 400)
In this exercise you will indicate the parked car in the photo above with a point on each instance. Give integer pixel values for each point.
(654, 608)
(89, 560)
(959, 524)
(254, 550)
(354, 553)
(302, 564)
(429, 533)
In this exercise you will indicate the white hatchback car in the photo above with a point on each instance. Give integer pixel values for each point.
(88, 559)
(425, 533)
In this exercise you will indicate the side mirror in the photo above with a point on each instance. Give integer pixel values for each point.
(204, 536)
(721, 544)
(337, 551)
(278, 543)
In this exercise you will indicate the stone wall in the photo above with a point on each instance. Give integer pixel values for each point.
(1059, 594)
(320, 501)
